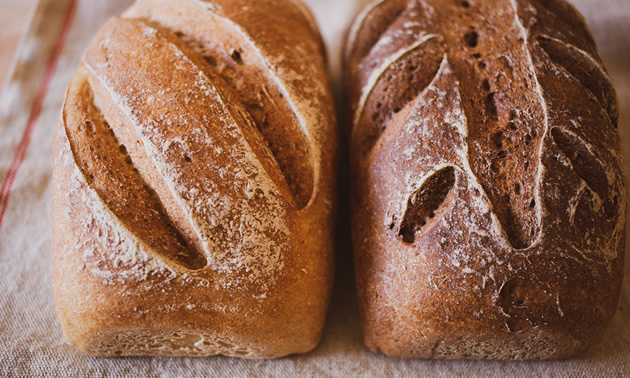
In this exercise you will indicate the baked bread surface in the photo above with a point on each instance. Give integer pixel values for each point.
(489, 196)
(192, 198)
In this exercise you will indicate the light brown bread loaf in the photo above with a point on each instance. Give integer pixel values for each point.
(489, 197)
(192, 198)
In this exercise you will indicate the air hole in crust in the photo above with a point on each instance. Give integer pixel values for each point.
(465, 4)
(236, 56)
(491, 105)
(486, 85)
(424, 202)
(210, 60)
(471, 38)
(513, 114)
(495, 166)
(498, 140)
(188, 159)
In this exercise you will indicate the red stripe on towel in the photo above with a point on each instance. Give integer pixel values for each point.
(36, 109)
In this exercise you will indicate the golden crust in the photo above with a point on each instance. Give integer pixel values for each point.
(192, 201)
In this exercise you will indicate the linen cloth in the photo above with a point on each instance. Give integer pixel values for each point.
(31, 341)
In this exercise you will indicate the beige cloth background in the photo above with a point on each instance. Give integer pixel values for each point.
(31, 343)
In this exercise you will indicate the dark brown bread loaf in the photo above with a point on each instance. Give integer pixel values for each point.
(489, 197)
(192, 198)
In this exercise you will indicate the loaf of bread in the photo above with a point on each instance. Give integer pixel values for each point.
(192, 197)
(489, 196)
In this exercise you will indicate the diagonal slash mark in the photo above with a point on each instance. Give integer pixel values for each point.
(36, 109)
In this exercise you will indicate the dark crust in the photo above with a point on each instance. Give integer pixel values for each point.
(520, 254)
